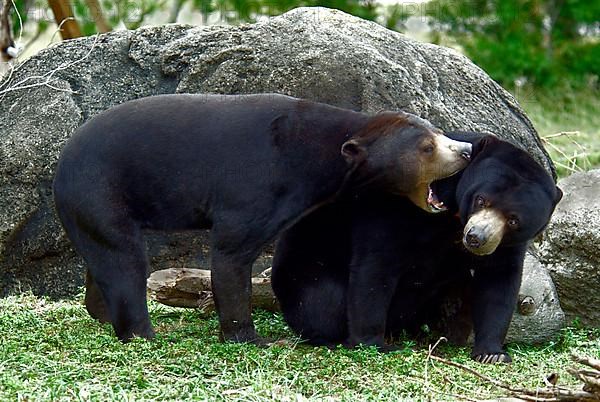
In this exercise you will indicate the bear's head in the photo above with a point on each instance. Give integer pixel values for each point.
(504, 197)
(404, 154)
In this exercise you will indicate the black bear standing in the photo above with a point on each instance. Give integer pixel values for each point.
(374, 265)
(246, 167)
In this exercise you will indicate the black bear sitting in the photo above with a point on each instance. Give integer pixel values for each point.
(357, 270)
(246, 167)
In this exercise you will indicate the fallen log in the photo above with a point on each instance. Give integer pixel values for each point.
(191, 288)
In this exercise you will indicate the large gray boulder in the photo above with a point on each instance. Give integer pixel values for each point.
(571, 247)
(538, 315)
(314, 53)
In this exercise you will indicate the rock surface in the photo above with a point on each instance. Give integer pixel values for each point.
(571, 247)
(538, 316)
(314, 53)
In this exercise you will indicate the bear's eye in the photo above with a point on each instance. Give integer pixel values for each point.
(513, 222)
(480, 202)
(428, 149)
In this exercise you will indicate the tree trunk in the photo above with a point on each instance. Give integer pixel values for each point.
(63, 15)
(98, 16)
(6, 38)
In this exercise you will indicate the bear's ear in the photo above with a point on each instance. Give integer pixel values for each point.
(558, 196)
(482, 144)
(353, 151)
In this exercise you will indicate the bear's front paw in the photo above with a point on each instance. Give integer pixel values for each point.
(143, 330)
(389, 348)
(492, 358)
(246, 335)
(365, 341)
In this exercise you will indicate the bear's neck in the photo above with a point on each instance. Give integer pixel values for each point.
(319, 150)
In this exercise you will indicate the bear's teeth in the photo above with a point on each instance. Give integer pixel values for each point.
(432, 200)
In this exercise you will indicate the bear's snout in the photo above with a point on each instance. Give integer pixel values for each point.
(463, 149)
(484, 231)
(472, 239)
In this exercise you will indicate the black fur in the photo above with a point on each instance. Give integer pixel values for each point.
(373, 265)
(246, 167)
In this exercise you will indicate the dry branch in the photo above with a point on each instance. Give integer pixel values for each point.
(590, 378)
(588, 361)
(550, 393)
(191, 288)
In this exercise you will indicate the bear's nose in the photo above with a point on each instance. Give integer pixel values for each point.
(465, 152)
(462, 148)
(472, 240)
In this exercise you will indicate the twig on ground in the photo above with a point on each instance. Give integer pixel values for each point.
(431, 349)
(438, 392)
(479, 396)
(589, 377)
(590, 393)
(588, 361)
(427, 385)
(477, 374)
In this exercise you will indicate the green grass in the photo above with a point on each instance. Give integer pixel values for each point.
(55, 351)
(572, 111)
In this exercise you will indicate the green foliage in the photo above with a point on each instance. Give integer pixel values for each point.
(566, 117)
(25, 13)
(543, 41)
(55, 351)
(551, 45)
(131, 13)
(234, 11)
(396, 17)
(134, 13)
(19, 17)
(83, 17)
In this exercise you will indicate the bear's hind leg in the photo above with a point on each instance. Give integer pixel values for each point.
(115, 255)
(94, 301)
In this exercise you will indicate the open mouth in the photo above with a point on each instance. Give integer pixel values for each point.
(433, 202)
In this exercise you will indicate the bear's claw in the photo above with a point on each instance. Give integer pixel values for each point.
(493, 358)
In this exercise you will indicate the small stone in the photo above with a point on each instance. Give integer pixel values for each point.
(527, 306)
